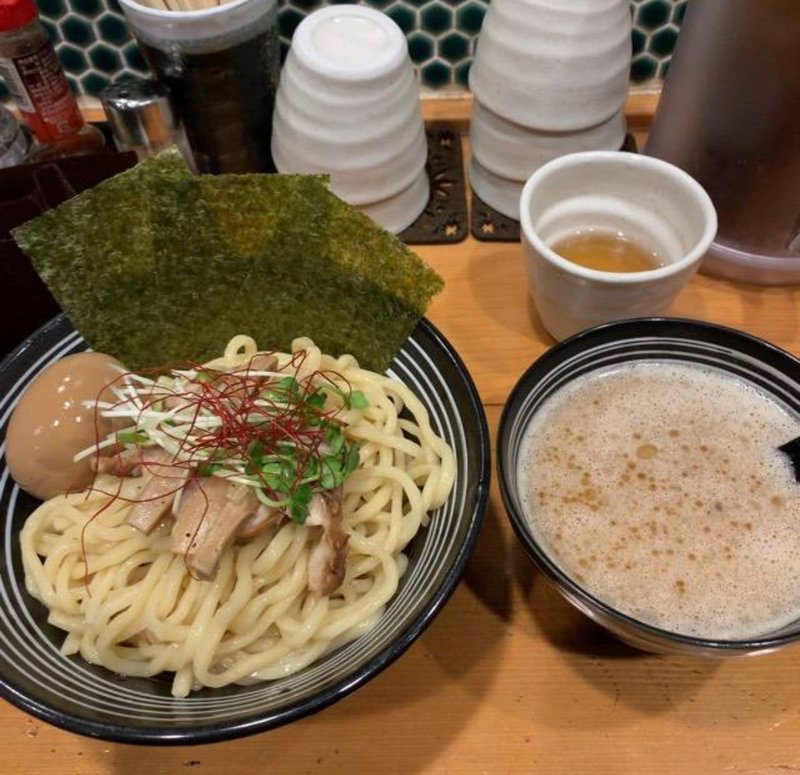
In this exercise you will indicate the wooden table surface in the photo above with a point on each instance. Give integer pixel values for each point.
(509, 678)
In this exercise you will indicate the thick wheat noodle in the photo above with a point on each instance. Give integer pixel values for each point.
(142, 612)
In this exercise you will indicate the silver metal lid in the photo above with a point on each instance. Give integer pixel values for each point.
(139, 114)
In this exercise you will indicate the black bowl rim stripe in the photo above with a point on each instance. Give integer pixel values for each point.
(776, 358)
(662, 327)
(659, 348)
(263, 721)
(445, 421)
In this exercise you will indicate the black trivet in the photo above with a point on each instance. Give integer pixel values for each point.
(487, 225)
(444, 219)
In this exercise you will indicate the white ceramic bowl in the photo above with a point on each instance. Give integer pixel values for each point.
(498, 192)
(348, 105)
(515, 151)
(650, 201)
(554, 65)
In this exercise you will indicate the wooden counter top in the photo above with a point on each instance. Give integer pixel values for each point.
(509, 678)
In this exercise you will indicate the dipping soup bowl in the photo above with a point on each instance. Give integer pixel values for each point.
(753, 361)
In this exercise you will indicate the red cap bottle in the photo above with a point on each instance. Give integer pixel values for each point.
(16, 13)
(33, 75)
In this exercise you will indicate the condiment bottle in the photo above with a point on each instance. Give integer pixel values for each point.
(141, 118)
(33, 75)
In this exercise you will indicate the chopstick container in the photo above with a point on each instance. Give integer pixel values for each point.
(221, 67)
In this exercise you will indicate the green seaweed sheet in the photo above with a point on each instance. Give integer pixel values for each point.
(158, 266)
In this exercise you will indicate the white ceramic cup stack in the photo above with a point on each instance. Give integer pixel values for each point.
(348, 106)
(549, 78)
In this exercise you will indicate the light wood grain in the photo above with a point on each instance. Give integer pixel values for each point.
(640, 108)
(509, 678)
(457, 108)
(486, 311)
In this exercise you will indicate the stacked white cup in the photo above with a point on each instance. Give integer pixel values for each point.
(348, 105)
(549, 78)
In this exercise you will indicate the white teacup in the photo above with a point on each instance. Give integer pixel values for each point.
(500, 193)
(514, 151)
(348, 105)
(551, 64)
(651, 202)
(400, 210)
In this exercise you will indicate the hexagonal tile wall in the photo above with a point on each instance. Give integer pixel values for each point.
(656, 24)
(94, 44)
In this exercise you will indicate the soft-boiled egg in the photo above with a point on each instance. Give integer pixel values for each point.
(51, 424)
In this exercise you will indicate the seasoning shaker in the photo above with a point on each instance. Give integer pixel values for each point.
(141, 118)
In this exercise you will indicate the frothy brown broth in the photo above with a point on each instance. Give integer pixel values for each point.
(659, 488)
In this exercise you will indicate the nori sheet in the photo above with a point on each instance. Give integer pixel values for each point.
(157, 266)
(95, 253)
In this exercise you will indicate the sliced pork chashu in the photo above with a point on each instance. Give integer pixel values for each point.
(162, 480)
(209, 515)
(327, 561)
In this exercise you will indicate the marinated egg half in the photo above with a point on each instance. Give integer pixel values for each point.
(50, 424)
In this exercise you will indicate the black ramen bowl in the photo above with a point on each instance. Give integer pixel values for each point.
(774, 372)
(90, 700)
